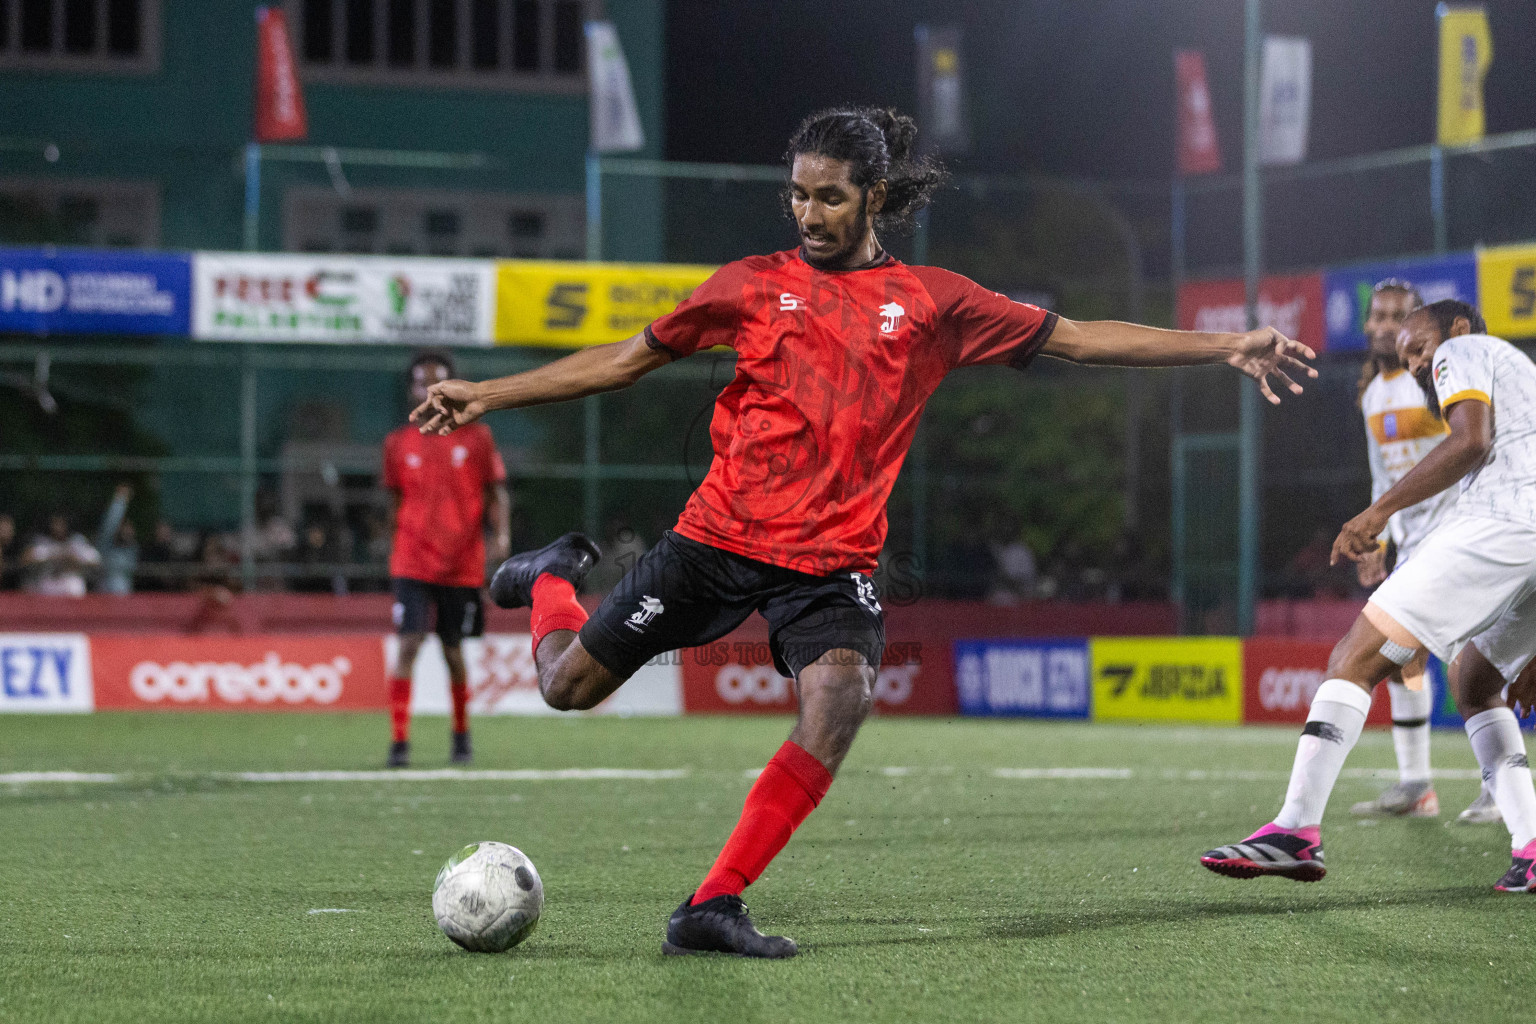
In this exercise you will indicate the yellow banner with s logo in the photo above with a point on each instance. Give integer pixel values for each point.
(1506, 290)
(573, 305)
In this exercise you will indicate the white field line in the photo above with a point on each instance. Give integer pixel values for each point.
(1201, 775)
(22, 778)
(401, 775)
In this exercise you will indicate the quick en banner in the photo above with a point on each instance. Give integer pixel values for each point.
(45, 672)
(1190, 679)
(570, 305)
(1348, 291)
(1038, 678)
(86, 291)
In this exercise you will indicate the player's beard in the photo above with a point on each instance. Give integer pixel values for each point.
(1426, 383)
(839, 260)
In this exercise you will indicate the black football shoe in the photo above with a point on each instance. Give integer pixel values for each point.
(461, 753)
(571, 558)
(721, 925)
(399, 754)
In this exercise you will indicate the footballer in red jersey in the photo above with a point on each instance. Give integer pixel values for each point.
(838, 346)
(444, 490)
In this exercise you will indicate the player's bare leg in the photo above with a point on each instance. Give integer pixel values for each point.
(1291, 846)
(400, 699)
(458, 693)
(836, 692)
(570, 679)
(1495, 734)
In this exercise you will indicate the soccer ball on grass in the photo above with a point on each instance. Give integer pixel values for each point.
(488, 897)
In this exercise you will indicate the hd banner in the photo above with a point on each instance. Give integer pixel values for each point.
(1034, 678)
(1186, 679)
(86, 291)
(1348, 291)
(572, 305)
(331, 299)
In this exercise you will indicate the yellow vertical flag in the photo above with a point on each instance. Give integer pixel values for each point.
(1466, 51)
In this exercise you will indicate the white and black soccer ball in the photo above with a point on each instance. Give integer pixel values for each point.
(488, 897)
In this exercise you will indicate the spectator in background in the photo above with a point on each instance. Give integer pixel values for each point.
(1016, 572)
(56, 561)
(318, 549)
(8, 552)
(167, 551)
(118, 544)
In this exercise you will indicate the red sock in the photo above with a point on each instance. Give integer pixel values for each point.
(554, 607)
(459, 692)
(782, 797)
(400, 708)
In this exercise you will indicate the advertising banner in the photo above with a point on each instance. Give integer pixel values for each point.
(1506, 290)
(1187, 679)
(331, 299)
(1199, 150)
(615, 126)
(941, 90)
(503, 681)
(1292, 304)
(88, 291)
(1037, 678)
(45, 672)
(279, 104)
(1348, 291)
(173, 672)
(1466, 52)
(1280, 677)
(1285, 99)
(571, 305)
(736, 676)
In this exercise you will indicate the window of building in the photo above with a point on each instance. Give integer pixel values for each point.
(80, 35)
(423, 222)
(112, 214)
(507, 44)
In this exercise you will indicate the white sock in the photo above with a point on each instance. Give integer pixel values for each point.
(1411, 741)
(1500, 749)
(1333, 726)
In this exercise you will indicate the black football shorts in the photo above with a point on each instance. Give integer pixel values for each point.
(457, 611)
(683, 594)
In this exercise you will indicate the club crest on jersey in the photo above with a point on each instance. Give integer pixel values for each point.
(892, 312)
(650, 607)
(790, 302)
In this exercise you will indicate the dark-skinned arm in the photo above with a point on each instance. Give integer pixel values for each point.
(452, 404)
(1471, 439)
(1259, 354)
(498, 508)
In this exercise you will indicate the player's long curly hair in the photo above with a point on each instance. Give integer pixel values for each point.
(877, 143)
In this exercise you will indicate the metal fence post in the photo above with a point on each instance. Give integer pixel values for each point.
(1249, 409)
(591, 510)
(247, 472)
(251, 238)
(594, 207)
(1437, 198)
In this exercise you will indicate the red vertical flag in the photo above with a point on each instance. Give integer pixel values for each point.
(279, 100)
(1198, 150)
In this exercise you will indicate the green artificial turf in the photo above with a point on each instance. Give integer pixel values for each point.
(926, 887)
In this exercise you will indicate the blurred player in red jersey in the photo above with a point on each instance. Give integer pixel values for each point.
(444, 490)
(838, 347)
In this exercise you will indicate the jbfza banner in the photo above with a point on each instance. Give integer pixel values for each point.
(83, 291)
(243, 297)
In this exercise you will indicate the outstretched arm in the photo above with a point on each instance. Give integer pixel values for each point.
(452, 404)
(1471, 424)
(1259, 354)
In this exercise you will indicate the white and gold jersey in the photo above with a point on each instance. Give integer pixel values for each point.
(1400, 430)
(1482, 368)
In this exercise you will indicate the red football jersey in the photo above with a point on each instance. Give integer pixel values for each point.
(439, 531)
(833, 369)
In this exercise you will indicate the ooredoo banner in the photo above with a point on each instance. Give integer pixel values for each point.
(1190, 679)
(1281, 676)
(44, 672)
(737, 676)
(85, 291)
(338, 672)
(331, 299)
(1292, 304)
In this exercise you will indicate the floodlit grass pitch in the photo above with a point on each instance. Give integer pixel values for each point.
(927, 886)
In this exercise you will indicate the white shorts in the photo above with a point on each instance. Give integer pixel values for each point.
(1471, 579)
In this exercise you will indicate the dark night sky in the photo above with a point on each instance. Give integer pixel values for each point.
(1068, 87)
